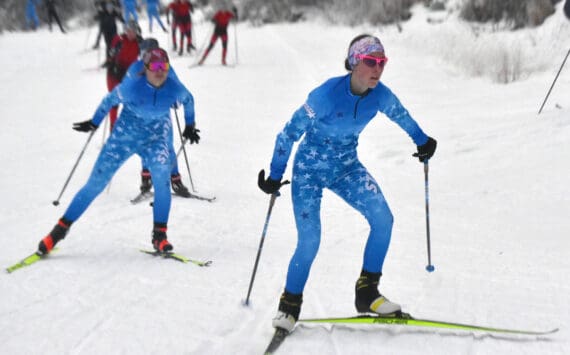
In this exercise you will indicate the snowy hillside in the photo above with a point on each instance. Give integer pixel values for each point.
(499, 200)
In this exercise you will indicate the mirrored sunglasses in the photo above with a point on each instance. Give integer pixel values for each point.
(371, 61)
(156, 66)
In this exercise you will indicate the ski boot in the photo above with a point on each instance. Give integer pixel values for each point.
(57, 233)
(368, 299)
(178, 187)
(159, 241)
(288, 311)
(146, 182)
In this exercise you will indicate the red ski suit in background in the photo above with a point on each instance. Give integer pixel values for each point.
(122, 54)
(221, 19)
(181, 20)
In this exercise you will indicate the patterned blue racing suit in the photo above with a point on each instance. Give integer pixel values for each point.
(136, 70)
(331, 121)
(144, 127)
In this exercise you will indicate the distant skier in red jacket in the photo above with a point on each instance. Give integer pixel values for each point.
(221, 19)
(124, 51)
(181, 10)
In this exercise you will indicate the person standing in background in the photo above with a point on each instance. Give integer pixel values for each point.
(182, 20)
(130, 10)
(124, 51)
(152, 10)
(52, 14)
(32, 20)
(221, 20)
(108, 12)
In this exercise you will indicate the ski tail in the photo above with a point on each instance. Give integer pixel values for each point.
(426, 323)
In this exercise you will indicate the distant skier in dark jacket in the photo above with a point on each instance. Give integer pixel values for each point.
(52, 14)
(108, 12)
(221, 20)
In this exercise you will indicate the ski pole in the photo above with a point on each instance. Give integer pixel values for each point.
(235, 41)
(429, 267)
(271, 203)
(184, 149)
(56, 202)
(200, 50)
(104, 131)
(554, 82)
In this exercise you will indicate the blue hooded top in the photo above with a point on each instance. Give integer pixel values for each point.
(146, 102)
(333, 118)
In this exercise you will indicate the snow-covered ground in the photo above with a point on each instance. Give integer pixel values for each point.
(499, 199)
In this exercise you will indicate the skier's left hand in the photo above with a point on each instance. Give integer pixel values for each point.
(426, 151)
(191, 133)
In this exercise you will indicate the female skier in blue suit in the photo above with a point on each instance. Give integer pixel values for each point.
(144, 127)
(175, 179)
(331, 121)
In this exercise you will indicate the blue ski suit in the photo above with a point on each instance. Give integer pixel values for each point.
(152, 9)
(130, 10)
(136, 70)
(331, 121)
(144, 127)
(32, 20)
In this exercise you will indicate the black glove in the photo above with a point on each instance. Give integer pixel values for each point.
(425, 151)
(191, 133)
(269, 186)
(85, 126)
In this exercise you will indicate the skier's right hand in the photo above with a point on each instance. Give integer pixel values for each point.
(269, 186)
(85, 126)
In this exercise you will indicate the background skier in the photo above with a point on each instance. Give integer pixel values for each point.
(152, 10)
(32, 20)
(221, 21)
(108, 12)
(181, 20)
(123, 52)
(52, 14)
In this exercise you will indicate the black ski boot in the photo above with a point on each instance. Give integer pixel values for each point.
(368, 299)
(178, 187)
(288, 311)
(146, 181)
(57, 233)
(159, 241)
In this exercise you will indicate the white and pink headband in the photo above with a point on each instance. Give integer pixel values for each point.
(363, 46)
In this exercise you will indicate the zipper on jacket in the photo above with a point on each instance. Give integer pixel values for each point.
(358, 101)
(356, 106)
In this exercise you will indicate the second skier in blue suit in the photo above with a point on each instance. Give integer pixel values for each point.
(144, 128)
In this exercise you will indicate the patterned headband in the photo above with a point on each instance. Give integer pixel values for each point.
(363, 46)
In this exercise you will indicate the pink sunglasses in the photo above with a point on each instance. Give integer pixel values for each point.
(156, 66)
(371, 61)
